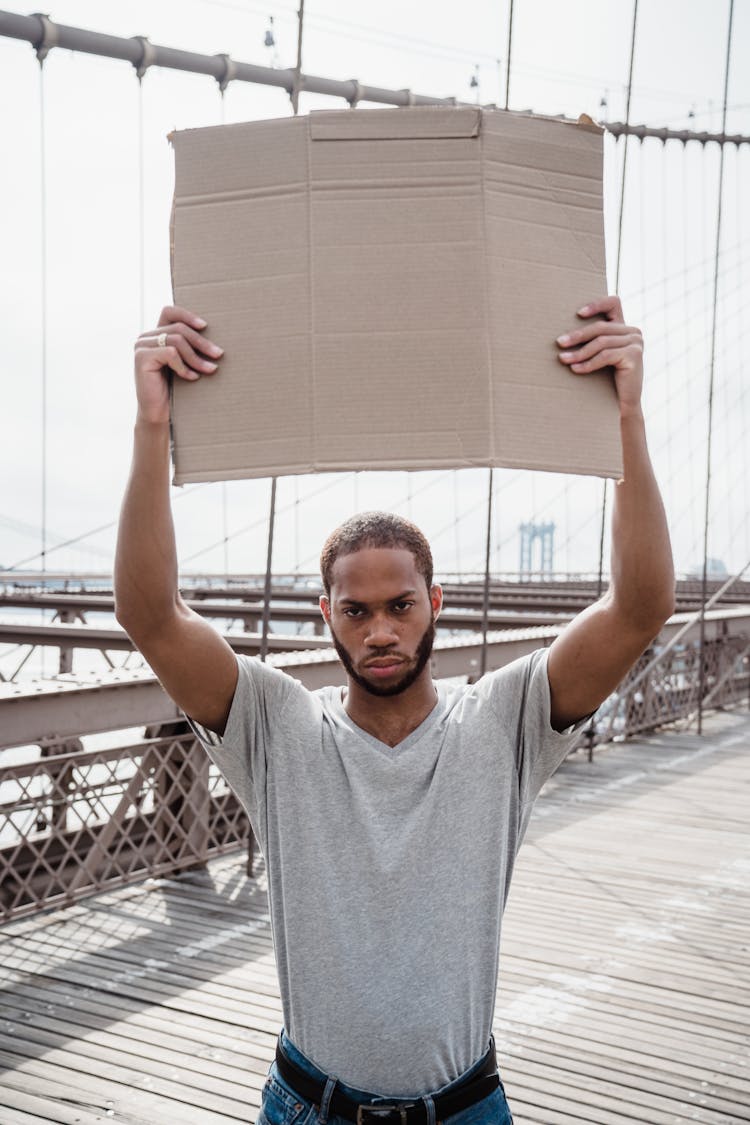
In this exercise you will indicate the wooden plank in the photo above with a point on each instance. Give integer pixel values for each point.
(22, 1107)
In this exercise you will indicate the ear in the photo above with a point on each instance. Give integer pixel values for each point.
(436, 600)
(325, 608)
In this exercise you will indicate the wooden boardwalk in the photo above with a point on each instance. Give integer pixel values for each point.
(624, 987)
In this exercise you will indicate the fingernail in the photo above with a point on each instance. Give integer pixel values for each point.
(585, 311)
(209, 366)
(216, 350)
(566, 355)
(564, 340)
(200, 322)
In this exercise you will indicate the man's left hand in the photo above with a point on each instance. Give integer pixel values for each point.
(604, 343)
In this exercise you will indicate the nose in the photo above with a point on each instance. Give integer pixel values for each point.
(381, 633)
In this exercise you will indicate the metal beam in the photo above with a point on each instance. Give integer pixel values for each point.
(468, 618)
(302, 603)
(55, 710)
(58, 634)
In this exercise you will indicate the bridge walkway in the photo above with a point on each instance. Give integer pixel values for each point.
(624, 984)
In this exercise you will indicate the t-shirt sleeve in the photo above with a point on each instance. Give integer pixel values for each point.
(541, 748)
(261, 694)
(522, 699)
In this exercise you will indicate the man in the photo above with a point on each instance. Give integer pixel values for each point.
(389, 813)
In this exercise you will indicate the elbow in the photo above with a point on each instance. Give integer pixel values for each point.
(646, 615)
(127, 619)
(655, 612)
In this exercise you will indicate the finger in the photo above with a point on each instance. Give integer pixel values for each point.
(601, 343)
(189, 343)
(154, 359)
(170, 314)
(605, 306)
(187, 354)
(594, 329)
(197, 340)
(610, 357)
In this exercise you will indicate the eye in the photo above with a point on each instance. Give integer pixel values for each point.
(402, 607)
(353, 611)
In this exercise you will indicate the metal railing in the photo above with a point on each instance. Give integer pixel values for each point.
(78, 821)
(662, 689)
(75, 823)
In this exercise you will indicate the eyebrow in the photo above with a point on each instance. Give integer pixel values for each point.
(399, 598)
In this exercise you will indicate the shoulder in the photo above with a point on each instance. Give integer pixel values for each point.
(519, 683)
(502, 693)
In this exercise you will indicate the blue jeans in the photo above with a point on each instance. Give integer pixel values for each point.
(282, 1106)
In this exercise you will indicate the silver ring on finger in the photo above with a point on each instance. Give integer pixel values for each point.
(161, 340)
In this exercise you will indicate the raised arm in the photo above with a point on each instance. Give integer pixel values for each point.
(594, 652)
(194, 664)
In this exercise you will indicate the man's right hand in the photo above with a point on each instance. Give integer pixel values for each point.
(194, 664)
(176, 344)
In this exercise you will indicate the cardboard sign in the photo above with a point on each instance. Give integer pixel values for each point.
(388, 285)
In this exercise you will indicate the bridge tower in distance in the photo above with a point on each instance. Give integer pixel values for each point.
(532, 534)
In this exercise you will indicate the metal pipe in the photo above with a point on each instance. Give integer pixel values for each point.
(642, 132)
(44, 34)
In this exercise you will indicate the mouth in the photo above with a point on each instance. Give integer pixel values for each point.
(384, 666)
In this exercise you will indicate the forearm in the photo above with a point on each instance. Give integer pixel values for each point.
(146, 557)
(642, 585)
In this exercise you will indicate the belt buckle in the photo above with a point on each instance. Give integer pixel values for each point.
(381, 1112)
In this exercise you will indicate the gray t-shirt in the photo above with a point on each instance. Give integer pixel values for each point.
(388, 867)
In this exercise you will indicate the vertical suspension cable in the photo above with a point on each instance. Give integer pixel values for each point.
(272, 511)
(626, 138)
(486, 594)
(687, 320)
(296, 526)
(224, 494)
(298, 67)
(741, 196)
(510, 46)
(711, 380)
(44, 327)
(225, 530)
(141, 212)
(267, 585)
(665, 212)
(456, 526)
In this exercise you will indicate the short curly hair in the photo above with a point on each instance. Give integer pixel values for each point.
(375, 529)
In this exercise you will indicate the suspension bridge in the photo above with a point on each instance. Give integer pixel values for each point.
(621, 991)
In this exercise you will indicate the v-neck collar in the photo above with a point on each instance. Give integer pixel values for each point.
(390, 751)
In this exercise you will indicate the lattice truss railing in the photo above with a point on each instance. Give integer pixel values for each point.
(75, 823)
(78, 822)
(663, 689)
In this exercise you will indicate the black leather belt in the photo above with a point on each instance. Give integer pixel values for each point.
(478, 1086)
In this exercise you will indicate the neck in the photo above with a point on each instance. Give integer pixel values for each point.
(391, 718)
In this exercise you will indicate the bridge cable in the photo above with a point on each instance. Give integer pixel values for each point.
(491, 479)
(711, 378)
(41, 55)
(294, 94)
(600, 580)
(510, 45)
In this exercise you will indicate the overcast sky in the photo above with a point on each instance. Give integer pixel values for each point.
(103, 137)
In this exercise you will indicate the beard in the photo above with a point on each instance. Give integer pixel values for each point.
(421, 656)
